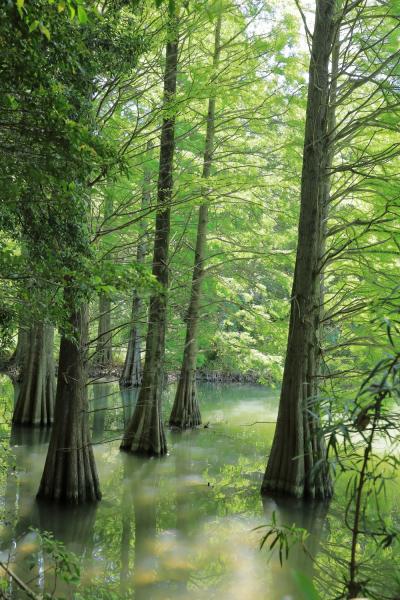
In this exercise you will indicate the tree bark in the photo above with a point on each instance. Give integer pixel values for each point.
(18, 358)
(145, 432)
(103, 355)
(35, 403)
(186, 411)
(297, 464)
(100, 407)
(104, 336)
(132, 372)
(70, 473)
(326, 189)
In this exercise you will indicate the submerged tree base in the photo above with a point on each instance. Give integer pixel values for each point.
(279, 487)
(185, 412)
(91, 494)
(145, 434)
(131, 375)
(35, 402)
(141, 447)
(299, 476)
(70, 474)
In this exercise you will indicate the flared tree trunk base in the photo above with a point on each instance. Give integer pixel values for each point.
(85, 490)
(145, 434)
(298, 466)
(131, 375)
(37, 409)
(280, 487)
(36, 398)
(185, 412)
(70, 473)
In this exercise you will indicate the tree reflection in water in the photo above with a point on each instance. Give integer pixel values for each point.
(303, 514)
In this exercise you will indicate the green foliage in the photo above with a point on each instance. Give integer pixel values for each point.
(282, 537)
(64, 563)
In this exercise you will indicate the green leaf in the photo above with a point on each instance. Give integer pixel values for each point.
(82, 16)
(34, 25)
(44, 30)
(20, 6)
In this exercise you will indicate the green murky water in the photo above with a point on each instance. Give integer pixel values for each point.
(182, 527)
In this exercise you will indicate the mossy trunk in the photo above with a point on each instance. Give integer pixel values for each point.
(132, 372)
(185, 412)
(297, 464)
(145, 432)
(103, 357)
(35, 402)
(70, 473)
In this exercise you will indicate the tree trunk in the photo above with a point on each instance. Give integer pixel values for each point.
(132, 372)
(35, 403)
(18, 357)
(145, 432)
(297, 464)
(185, 411)
(103, 356)
(104, 336)
(100, 407)
(70, 473)
(326, 190)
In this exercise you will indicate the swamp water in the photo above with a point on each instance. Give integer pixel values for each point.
(181, 527)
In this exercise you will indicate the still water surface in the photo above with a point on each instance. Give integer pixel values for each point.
(181, 527)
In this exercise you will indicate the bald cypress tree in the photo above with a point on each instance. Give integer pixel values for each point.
(70, 473)
(35, 402)
(145, 432)
(103, 356)
(297, 464)
(185, 411)
(132, 371)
